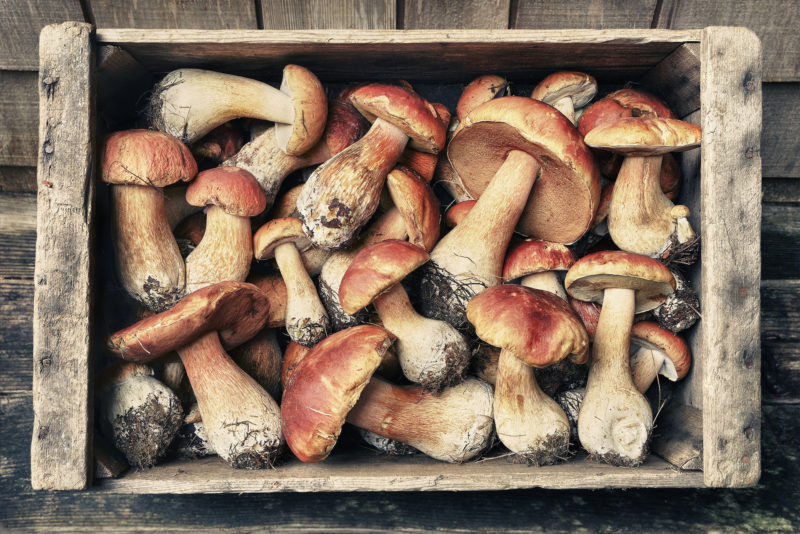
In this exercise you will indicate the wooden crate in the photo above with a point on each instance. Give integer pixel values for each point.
(711, 77)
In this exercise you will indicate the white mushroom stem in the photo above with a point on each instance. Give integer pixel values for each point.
(306, 319)
(566, 106)
(528, 422)
(431, 352)
(242, 421)
(224, 254)
(640, 218)
(453, 426)
(189, 103)
(149, 262)
(647, 363)
(546, 281)
(615, 419)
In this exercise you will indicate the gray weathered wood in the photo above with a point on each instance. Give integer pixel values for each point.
(774, 21)
(780, 339)
(779, 140)
(20, 23)
(780, 240)
(121, 83)
(676, 79)
(60, 448)
(17, 179)
(18, 118)
(442, 14)
(730, 83)
(328, 14)
(17, 235)
(678, 437)
(206, 14)
(603, 14)
(780, 190)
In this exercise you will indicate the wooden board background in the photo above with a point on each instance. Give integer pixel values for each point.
(769, 507)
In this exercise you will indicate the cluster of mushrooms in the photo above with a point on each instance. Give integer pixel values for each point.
(414, 332)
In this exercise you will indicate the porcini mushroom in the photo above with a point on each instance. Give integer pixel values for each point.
(535, 262)
(660, 353)
(566, 91)
(615, 419)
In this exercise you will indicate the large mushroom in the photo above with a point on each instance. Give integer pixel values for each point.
(566, 91)
(615, 419)
(139, 163)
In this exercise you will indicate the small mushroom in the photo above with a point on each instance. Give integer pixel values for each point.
(660, 353)
(458, 212)
(536, 262)
(220, 143)
(480, 90)
(566, 91)
(261, 358)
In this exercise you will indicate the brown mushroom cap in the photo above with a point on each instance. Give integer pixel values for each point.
(579, 86)
(345, 126)
(274, 288)
(233, 189)
(145, 157)
(589, 312)
(310, 111)
(564, 198)
(645, 136)
(480, 90)
(619, 104)
(535, 256)
(236, 310)
(649, 334)
(539, 328)
(592, 274)
(415, 116)
(377, 268)
(418, 204)
(325, 385)
(457, 212)
(279, 232)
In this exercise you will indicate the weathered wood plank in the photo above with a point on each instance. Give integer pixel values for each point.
(121, 83)
(779, 140)
(780, 241)
(730, 82)
(18, 118)
(17, 179)
(442, 14)
(676, 79)
(780, 339)
(779, 190)
(584, 14)
(200, 14)
(16, 338)
(678, 437)
(17, 235)
(328, 14)
(774, 21)
(20, 23)
(60, 448)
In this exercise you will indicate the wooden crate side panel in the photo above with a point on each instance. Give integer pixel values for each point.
(444, 14)
(779, 140)
(780, 339)
(18, 118)
(600, 14)
(328, 14)
(208, 14)
(676, 79)
(60, 448)
(731, 204)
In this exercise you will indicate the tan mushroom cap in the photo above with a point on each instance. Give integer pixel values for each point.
(591, 275)
(377, 268)
(145, 157)
(533, 256)
(233, 189)
(579, 86)
(418, 205)
(274, 288)
(326, 384)
(645, 136)
(279, 232)
(415, 116)
(564, 198)
(310, 111)
(649, 334)
(480, 90)
(539, 328)
(457, 212)
(236, 310)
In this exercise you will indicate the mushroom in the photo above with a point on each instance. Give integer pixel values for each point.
(220, 143)
(139, 163)
(226, 251)
(261, 358)
(661, 353)
(431, 352)
(241, 419)
(682, 309)
(343, 193)
(536, 262)
(502, 148)
(481, 90)
(189, 103)
(640, 218)
(615, 419)
(566, 91)
(192, 439)
(306, 319)
(533, 327)
(456, 213)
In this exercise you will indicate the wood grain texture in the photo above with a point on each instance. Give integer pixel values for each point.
(443, 14)
(328, 14)
(780, 339)
(62, 311)
(17, 179)
(774, 21)
(678, 437)
(122, 83)
(600, 14)
(730, 83)
(780, 241)
(18, 118)
(676, 79)
(205, 14)
(780, 190)
(17, 235)
(779, 139)
(20, 23)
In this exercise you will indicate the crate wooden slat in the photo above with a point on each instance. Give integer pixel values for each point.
(207, 14)
(328, 14)
(465, 14)
(584, 14)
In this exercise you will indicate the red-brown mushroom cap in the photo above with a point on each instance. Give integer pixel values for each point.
(645, 137)
(236, 310)
(279, 232)
(457, 212)
(325, 385)
(564, 198)
(310, 111)
(418, 204)
(649, 334)
(533, 256)
(538, 327)
(377, 268)
(591, 275)
(480, 90)
(589, 313)
(415, 116)
(292, 356)
(145, 157)
(619, 104)
(345, 126)
(274, 288)
(233, 189)
(579, 86)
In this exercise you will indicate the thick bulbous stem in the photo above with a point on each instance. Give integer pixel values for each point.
(224, 254)
(306, 319)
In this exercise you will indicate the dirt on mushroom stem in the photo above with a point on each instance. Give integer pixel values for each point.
(140, 432)
(445, 297)
(553, 450)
